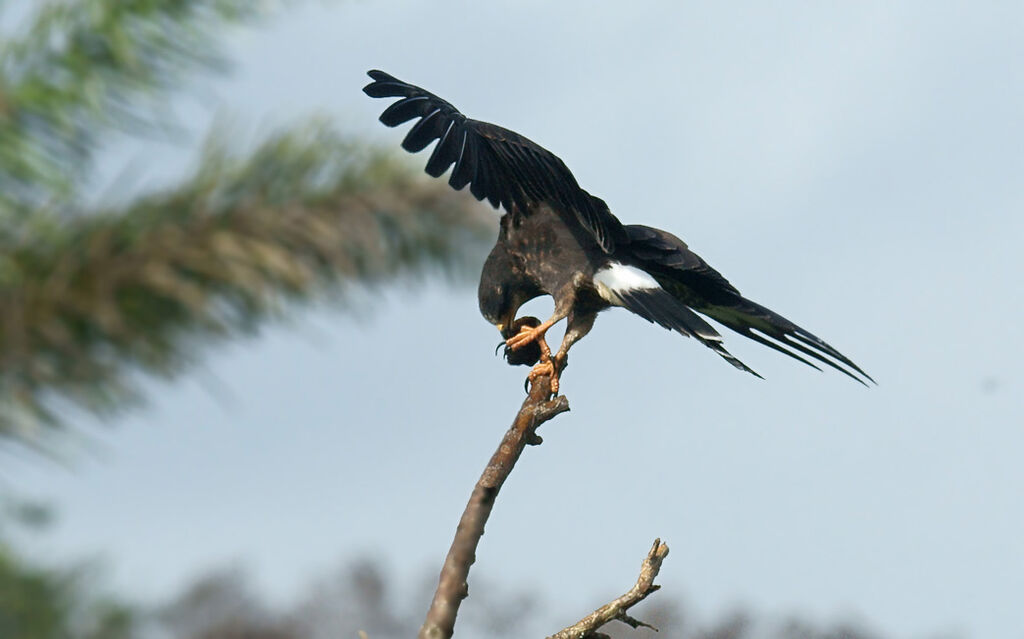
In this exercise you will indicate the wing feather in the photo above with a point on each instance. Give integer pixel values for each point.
(465, 166)
(445, 153)
(499, 165)
(405, 110)
(425, 131)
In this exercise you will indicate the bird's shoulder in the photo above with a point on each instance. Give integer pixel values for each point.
(663, 254)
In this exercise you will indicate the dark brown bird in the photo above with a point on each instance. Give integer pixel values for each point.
(556, 239)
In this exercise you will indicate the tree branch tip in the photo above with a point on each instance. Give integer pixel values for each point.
(587, 628)
(635, 623)
(551, 408)
(559, 404)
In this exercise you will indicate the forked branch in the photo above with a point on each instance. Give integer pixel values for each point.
(617, 609)
(453, 587)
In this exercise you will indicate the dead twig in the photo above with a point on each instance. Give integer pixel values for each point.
(452, 586)
(588, 626)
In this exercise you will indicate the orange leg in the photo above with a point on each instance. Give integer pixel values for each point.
(527, 335)
(548, 365)
(544, 367)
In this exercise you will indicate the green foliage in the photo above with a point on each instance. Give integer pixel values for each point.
(85, 67)
(38, 603)
(88, 301)
(89, 298)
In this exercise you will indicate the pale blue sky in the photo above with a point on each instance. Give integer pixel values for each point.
(855, 168)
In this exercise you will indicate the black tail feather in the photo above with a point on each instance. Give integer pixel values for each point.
(771, 329)
(659, 307)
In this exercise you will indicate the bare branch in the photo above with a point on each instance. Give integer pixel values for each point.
(452, 587)
(588, 626)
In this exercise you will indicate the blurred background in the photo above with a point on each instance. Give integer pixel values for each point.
(245, 389)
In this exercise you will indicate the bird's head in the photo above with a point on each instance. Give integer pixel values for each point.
(499, 306)
(501, 312)
(501, 294)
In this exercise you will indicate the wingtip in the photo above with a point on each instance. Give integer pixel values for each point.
(379, 87)
(368, 89)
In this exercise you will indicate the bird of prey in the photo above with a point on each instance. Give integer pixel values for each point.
(556, 239)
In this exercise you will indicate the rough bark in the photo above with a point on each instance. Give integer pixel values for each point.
(617, 609)
(452, 586)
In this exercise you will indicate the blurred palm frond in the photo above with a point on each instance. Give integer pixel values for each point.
(86, 67)
(87, 300)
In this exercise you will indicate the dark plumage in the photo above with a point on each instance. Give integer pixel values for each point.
(556, 239)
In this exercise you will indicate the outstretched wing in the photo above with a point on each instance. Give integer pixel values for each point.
(499, 165)
(691, 280)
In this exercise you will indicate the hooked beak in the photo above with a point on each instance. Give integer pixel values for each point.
(508, 327)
